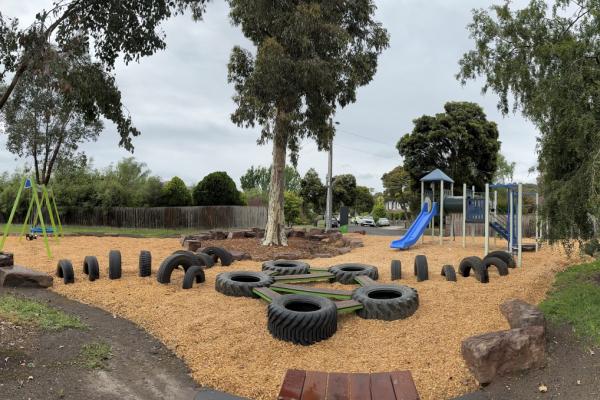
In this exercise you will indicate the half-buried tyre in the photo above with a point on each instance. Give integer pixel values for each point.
(91, 268)
(498, 263)
(224, 257)
(449, 272)
(241, 283)
(504, 256)
(209, 261)
(193, 273)
(396, 270)
(421, 268)
(386, 302)
(286, 267)
(114, 264)
(474, 264)
(302, 319)
(204, 259)
(184, 260)
(64, 270)
(145, 263)
(347, 273)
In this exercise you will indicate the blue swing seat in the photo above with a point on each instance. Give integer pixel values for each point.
(38, 230)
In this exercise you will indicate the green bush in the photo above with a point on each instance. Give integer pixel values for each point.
(175, 194)
(217, 189)
(292, 208)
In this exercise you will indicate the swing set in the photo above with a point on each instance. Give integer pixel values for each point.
(43, 200)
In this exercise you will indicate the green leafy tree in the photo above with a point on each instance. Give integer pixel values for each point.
(397, 185)
(344, 191)
(364, 200)
(543, 60)
(378, 209)
(292, 208)
(130, 29)
(260, 177)
(313, 192)
(460, 141)
(151, 192)
(310, 57)
(176, 194)
(217, 189)
(505, 171)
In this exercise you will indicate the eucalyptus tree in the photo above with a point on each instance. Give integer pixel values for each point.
(310, 57)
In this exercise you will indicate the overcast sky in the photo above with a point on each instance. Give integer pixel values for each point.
(181, 101)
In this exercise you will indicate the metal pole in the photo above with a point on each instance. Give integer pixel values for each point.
(464, 219)
(486, 228)
(329, 188)
(432, 201)
(495, 212)
(473, 225)
(511, 213)
(452, 215)
(537, 223)
(520, 226)
(422, 202)
(441, 211)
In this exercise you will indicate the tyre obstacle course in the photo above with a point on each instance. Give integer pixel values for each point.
(305, 315)
(192, 263)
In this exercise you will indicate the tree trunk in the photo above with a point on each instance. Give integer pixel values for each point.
(275, 234)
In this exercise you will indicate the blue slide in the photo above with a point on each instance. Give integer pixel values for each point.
(416, 229)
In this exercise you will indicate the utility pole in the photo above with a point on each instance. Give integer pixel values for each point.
(329, 180)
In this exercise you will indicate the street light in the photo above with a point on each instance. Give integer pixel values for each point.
(329, 205)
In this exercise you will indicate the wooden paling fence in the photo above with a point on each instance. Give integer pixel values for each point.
(210, 217)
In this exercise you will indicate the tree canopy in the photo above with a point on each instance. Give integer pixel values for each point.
(175, 193)
(397, 187)
(260, 177)
(344, 191)
(461, 142)
(543, 60)
(311, 56)
(217, 189)
(312, 191)
(364, 201)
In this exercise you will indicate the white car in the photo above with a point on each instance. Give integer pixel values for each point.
(367, 221)
(383, 222)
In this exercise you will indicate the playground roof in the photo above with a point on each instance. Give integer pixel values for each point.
(436, 176)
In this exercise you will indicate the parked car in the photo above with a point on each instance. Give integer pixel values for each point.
(335, 223)
(383, 222)
(367, 221)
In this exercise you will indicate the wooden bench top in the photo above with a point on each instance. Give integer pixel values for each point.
(310, 385)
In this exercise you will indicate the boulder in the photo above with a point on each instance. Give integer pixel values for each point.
(344, 250)
(185, 238)
(17, 276)
(6, 259)
(520, 314)
(286, 256)
(297, 233)
(192, 245)
(250, 234)
(218, 235)
(316, 231)
(318, 237)
(335, 235)
(240, 255)
(354, 243)
(236, 235)
(322, 255)
(503, 352)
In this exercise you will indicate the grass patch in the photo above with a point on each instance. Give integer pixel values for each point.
(108, 230)
(95, 355)
(30, 312)
(575, 299)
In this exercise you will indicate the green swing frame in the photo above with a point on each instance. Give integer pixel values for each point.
(45, 198)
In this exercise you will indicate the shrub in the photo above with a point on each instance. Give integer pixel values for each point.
(217, 189)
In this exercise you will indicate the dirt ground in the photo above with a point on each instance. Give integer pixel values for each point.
(225, 342)
(43, 364)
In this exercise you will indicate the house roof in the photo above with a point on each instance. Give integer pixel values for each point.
(436, 176)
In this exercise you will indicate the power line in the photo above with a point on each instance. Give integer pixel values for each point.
(363, 137)
(363, 151)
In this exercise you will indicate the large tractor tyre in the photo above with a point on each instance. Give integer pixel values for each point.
(347, 273)
(224, 257)
(64, 269)
(145, 263)
(476, 264)
(386, 302)
(195, 272)
(241, 283)
(449, 272)
(396, 269)
(498, 263)
(184, 260)
(114, 264)
(504, 256)
(421, 268)
(91, 268)
(286, 267)
(302, 319)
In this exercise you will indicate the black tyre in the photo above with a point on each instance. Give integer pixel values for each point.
(220, 253)
(476, 264)
(302, 319)
(91, 268)
(449, 272)
(498, 263)
(184, 260)
(209, 261)
(114, 264)
(396, 268)
(64, 269)
(386, 302)
(286, 267)
(145, 263)
(346, 273)
(195, 272)
(241, 283)
(421, 268)
(504, 256)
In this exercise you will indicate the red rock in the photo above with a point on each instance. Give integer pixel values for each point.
(520, 314)
(286, 256)
(236, 235)
(17, 276)
(316, 231)
(318, 237)
(6, 259)
(192, 245)
(240, 255)
(344, 250)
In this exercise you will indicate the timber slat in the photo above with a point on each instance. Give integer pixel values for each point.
(315, 386)
(292, 385)
(303, 276)
(360, 387)
(271, 294)
(404, 385)
(312, 290)
(365, 281)
(347, 304)
(337, 386)
(381, 387)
